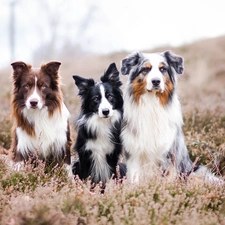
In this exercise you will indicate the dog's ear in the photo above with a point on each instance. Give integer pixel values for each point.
(130, 61)
(19, 68)
(111, 75)
(83, 84)
(174, 61)
(51, 68)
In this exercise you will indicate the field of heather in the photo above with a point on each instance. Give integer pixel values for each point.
(33, 197)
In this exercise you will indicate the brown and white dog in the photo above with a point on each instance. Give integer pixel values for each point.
(41, 119)
(152, 133)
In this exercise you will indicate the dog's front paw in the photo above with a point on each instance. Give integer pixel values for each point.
(18, 166)
(68, 169)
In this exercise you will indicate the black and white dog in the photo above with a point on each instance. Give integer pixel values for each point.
(152, 133)
(98, 142)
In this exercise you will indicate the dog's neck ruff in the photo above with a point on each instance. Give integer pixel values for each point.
(49, 132)
(101, 145)
(150, 128)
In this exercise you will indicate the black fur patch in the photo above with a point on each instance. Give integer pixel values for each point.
(91, 98)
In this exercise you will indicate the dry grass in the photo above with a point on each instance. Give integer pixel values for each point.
(33, 197)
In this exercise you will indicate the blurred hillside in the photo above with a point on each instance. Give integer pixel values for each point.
(201, 87)
(32, 196)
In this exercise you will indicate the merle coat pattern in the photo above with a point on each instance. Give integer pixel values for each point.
(152, 133)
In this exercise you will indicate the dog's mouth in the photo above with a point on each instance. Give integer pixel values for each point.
(104, 116)
(155, 89)
(33, 107)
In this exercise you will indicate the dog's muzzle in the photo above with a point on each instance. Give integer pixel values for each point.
(105, 112)
(155, 85)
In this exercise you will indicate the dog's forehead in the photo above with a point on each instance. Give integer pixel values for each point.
(154, 59)
(34, 75)
(37, 72)
(95, 89)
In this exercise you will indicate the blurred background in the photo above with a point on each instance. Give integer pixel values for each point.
(88, 35)
(38, 30)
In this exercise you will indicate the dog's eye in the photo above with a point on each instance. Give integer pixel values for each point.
(96, 100)
(162, 69)
(26, 86)
(43, 86)
(110, 97)
(145, 70)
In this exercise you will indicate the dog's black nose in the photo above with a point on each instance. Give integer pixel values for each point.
(105, 112)
(155, 82)
(33, 103)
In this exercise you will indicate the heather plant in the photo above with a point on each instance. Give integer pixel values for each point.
(31, 176)
(32, 196)
(154, 201)
(35, 196)
(205, 136)
(5, 136)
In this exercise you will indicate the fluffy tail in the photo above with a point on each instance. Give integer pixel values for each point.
(203, 173)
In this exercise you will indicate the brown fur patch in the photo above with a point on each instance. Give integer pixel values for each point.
(13, 153)
(21, 121)
(55, 96)
(148, 65)
(161, 65)
(67, 158)
(22, 75)
(48, 87)
(138, 88)
(164, 96)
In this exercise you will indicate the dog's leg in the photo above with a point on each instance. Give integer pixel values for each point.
(67, 163)
(67, 157)
(76, 167)
(122, 169)
(133, 170)
(17, 159)
(181, 158)
(68, 169)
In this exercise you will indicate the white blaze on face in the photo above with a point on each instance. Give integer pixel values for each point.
(155, 75)
(105, 108)
(34, 100)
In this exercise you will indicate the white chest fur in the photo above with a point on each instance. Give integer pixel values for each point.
(150, 127)
(102, 144)
(50, 132)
